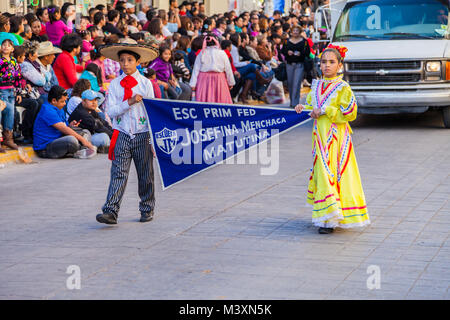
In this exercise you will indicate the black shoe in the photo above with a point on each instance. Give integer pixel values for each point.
(146, 217)
(107, 218)
(325, 230)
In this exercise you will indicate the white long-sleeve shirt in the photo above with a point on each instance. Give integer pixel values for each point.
(125, 118)
(237, 58)
(212, 59)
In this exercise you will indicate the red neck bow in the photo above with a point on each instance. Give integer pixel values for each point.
(128, 83)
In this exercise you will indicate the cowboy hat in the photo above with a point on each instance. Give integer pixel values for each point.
(46, 48)
(146, 53)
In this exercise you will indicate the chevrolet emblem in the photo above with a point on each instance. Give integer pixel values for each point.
(382, 72)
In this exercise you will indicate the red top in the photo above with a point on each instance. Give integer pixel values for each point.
(231, 60)
(66, 70)
(43, 30)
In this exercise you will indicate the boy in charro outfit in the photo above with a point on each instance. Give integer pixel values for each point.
(131, 137)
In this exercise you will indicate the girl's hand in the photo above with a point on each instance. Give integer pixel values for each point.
(315, 114)
(19, 99)
(290, 52)
(299, 108)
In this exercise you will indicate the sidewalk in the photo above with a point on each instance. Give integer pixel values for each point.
(13, 156)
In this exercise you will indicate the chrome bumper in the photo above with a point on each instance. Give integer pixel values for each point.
(393, 101)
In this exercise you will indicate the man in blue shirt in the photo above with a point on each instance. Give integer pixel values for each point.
(52, 137)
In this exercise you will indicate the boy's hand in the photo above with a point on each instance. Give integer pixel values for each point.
(136, 99)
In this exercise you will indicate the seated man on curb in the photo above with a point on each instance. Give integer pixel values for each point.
(52, 137)
(87, 114)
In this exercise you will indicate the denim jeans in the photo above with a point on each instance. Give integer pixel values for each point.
(101, 140)
(64, 146)
(295, 73)
(248, 72)
(7, 115)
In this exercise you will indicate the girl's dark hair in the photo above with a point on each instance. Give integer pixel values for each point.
(64, 8)
(15, 22)
(178, 56)
(3, 22)
(95, 69)
(163, 48)
(92, 29)
(80, 86)
(150, 72)
(19, 51)
(95, 54)
(138, 36)
(70, 41)
(154, 27)
(197, 43)
(83, 33)
(150, 14)
(183, 43)
(52, 11)
(112, 38)
(30, 18)
(206, 24)
(210, 39)
(40, 12)
(336, 53)
(234, 38)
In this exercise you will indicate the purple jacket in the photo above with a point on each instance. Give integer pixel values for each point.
(163, 69)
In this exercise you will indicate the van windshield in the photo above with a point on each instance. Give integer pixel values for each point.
(393, 19)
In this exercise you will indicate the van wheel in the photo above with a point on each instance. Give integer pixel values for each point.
(446, 116)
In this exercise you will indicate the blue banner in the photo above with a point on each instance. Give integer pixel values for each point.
(189, 137)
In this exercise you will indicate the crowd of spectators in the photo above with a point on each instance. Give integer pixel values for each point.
(52, 71)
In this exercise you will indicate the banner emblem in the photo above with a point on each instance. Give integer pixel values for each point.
(166, 140)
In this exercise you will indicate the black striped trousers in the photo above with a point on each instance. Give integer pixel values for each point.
(139, 149)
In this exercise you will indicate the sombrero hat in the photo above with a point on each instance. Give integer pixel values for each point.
(146, 53)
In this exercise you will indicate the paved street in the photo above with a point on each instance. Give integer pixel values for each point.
(231, 233)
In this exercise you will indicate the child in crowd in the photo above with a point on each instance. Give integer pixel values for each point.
(212, 76)
(11, 80)
(56, 28)
(87, 45)
(151, 75)
(179, 62)
(75, 99)
(164, 73)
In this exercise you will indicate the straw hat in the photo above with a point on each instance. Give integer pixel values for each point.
(46, 48)
(146, 53)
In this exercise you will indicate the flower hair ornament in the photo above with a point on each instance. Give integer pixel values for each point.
(341, 49)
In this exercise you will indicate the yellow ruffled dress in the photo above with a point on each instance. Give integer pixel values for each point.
(334, 189)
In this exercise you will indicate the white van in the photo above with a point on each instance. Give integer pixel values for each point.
(398, 57)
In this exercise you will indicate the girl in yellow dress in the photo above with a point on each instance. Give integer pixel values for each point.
(334, 189)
